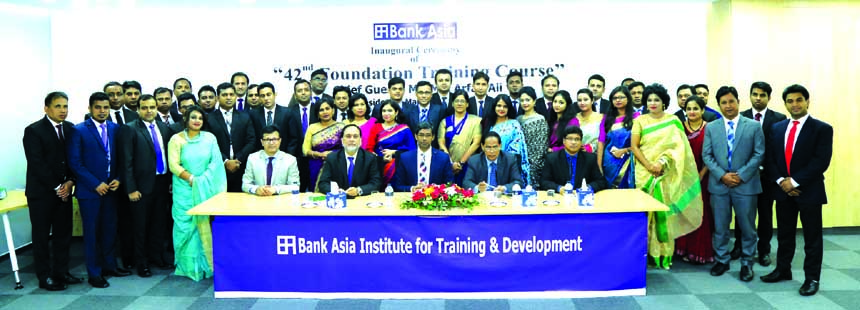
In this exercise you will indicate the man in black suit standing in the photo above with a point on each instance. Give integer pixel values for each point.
(443, 93)
(235, 134)
(119, 114)
(353, 168)
(799, 153)
(270, 114)
(298, 120)
(561, 165)
(424, 111)
(543, 106)
(760, 96)
(319, 82)
(147, 182)
(163, 102)
(597, 85)
(185, 101)
(180, 86)
(131, 92)
(49, 189)
(494, 169)
(683, 93)
(481, 102)
(514, 82)
(396, 87)
(240, 82)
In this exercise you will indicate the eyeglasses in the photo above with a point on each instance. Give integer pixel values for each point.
(424, 93)
(271, 140)
(619, 98)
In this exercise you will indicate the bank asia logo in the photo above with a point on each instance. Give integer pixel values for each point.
(414, 31)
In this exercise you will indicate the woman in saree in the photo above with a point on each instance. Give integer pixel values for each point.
(536, 131)
(392, 136)
(198, 174)
(322, 137)
(665, 169)
(460, 135)
(564, 112)
(357, 113)
(503, 121)
(697, 247)
(587, 120)
(613, 144)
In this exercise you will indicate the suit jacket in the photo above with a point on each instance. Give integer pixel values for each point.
(770, 117)
(293, 100)
(747, 155)
(294, 135)
(47, 166)
(174, 117)
(128, 116)
(708, 115)
(556, 171)
(365, 174)
(406, 173)
(258, 118)
(810, 158)
(285, 171)
(508, 171)
(603, 104)
(139, 162)
(435, 114)
(540, 108)
(241, 134)
(88, 159)
(489, 105)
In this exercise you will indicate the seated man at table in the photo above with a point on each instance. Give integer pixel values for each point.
(494, 169)
(560, 166)
(352, 167)
(269, 171)
(423, 166)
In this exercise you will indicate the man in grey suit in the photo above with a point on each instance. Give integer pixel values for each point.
(733, 150)
(269, 171)
(493, 170)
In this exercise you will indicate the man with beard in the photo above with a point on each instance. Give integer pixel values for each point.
(352, 167)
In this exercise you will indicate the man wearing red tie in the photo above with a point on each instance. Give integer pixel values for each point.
(798, 155)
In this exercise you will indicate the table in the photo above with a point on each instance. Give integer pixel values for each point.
(14, 200)
(272, 247)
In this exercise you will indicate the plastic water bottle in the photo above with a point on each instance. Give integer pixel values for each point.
(389, 196)
(517, 195)
(294, 191)
(569, 199)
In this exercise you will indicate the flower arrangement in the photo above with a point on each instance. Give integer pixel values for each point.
(441, 198)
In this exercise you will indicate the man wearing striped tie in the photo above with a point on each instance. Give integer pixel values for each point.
(732, 151)
(423, 166)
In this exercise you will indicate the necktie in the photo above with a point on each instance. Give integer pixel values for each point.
(516, 104)
(342, 116)
(316, 99)
(159, 161)
(228, 118)
(422, 166)
(571, 160)
(167, 119)
(304, 120)
(349, 170)
(118, 118)
(789, 146)
(60, 133)
(493, 182)
(758, 117)
(240, 103)
(269, 118)
(481, 108)
(104, 135)
(269, 169)
(445, 101)
(423, 115)
(730, 134)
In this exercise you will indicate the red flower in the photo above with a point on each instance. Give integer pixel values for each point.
(418, 195)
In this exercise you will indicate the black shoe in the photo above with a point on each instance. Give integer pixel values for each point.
(736, 252)
(98, 282)
(764, 260)
(776, 276)
(719, 269)
(144, 272)
(52, 284)
(747, 273)
(118, 272)
(158, 264)
(809, 288)
(68, 278)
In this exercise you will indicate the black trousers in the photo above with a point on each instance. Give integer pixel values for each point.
(149, 218)
(765, 221)
(125, 227)
(50, 214)
(234, 180)
(786, 219)
(305, 184)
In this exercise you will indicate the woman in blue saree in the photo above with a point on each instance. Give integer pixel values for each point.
(392, 136)
(504, 122)
(613, 146)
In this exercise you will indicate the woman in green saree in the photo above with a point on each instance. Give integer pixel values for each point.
(666, 169)
(198, 174)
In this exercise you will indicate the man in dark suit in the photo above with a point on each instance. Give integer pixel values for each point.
(494, 169)
(799, 154)
(207, 98)
(297, 122)
(637, 88)
(235, 134)
(118, 113)
(702, 90)
(557, 169)
(423, 166)
(49, 187)
(597, 85)
(732, 151)
(443, 94)
(353, 168)
(683, 93)
(240, 82)
(147, 182)
(92, 151)
(180, 86)
(131, 94)
(270, 114)
(514, 82)
(424, 111)
(543, 106)
(319, 82)
(481, 102)
(396, 87)
(185, 101)
(760, 96)
(163, 97)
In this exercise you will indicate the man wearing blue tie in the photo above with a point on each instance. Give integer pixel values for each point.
(494, 170)
(319, 82)
(732, 151)
(240, 84)
(92, 158)
(481, 102)
(300, 117)
(424, 111)
(423, 166)
(514, 82)
(270, 170)
(352, 168)
(570, 165)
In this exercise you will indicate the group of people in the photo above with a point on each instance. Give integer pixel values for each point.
(139, 162)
